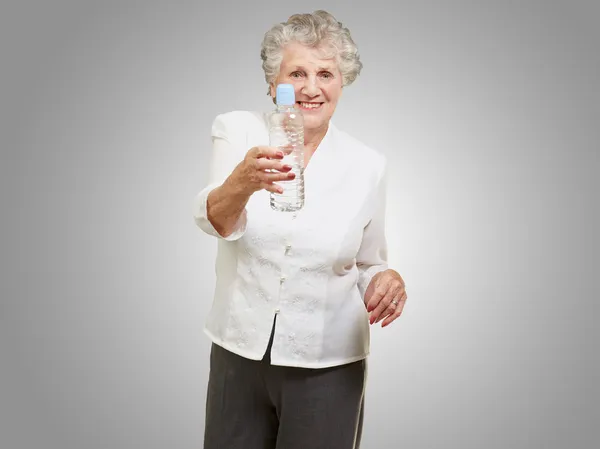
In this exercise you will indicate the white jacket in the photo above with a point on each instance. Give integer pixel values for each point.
(309, 269)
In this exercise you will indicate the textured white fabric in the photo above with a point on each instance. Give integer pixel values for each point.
(311, 268)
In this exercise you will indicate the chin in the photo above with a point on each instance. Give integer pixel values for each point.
(312, 122)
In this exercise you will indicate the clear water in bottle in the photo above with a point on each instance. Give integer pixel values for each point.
(286, 131)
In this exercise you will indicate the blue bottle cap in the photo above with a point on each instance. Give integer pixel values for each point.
(285, 95)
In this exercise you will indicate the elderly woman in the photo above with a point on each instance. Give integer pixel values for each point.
(296, 292)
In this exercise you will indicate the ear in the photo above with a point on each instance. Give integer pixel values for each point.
(273, 90)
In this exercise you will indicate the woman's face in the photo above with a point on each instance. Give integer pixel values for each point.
(317, 83)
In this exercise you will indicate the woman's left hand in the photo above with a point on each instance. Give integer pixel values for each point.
(385, 297)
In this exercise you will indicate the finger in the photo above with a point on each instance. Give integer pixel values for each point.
(395, 290)
(275, 176)
(383, 304)
(399, 291)
(391, 308)
(271, 187)
(287, 149)
(397, 311)
(378, 293)
(272, 164)
(266, 152)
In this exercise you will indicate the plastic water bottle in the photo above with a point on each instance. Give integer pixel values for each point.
(286, 131)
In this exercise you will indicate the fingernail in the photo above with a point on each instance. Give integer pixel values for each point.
(279, 154)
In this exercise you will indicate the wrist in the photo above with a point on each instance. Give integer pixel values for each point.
(235, 188)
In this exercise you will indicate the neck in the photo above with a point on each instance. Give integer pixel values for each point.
(313, 137)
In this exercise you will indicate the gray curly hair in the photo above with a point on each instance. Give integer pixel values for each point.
(319, 29)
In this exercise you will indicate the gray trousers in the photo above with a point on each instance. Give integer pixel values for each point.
(255, 405)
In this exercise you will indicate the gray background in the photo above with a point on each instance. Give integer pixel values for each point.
(489, 115)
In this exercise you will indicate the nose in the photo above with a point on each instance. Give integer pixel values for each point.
(310, 88)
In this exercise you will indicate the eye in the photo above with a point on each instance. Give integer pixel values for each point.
(326, 75)
(295, 74)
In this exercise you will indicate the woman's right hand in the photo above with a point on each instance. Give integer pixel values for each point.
(261, 168)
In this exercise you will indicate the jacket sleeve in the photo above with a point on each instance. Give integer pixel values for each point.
(226, 153)
(372, 256)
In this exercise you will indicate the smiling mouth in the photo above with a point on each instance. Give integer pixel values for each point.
(309, 106)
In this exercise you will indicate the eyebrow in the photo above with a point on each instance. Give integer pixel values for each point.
(326, 68)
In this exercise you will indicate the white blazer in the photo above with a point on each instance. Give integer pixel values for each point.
(309, 270)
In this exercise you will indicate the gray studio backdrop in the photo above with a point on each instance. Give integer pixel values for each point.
(489, 115)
